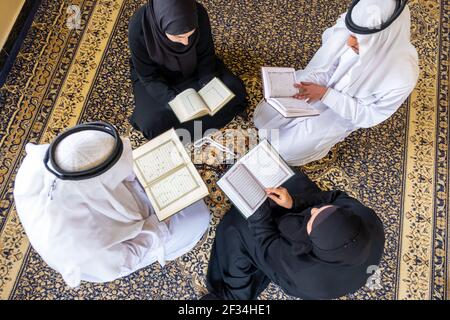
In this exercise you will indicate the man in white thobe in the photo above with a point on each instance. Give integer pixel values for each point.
(355, 80)
(102, 228)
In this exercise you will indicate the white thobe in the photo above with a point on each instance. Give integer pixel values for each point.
(303, 140)
(102, 228)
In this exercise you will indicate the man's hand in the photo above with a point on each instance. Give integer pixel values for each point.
(281, 197)
(310, 92)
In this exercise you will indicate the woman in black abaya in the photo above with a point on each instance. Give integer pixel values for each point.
(324, 246)
(172, 50)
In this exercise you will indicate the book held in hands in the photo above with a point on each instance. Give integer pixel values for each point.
(245, 183)
(190, 104)
(279, 92)
(165, 170)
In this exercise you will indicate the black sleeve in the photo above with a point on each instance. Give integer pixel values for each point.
(206, 56)
(148, 71)
(304, 201)
(274, 246)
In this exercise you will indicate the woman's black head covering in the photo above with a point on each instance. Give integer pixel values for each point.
(341, 238)
(174, 17)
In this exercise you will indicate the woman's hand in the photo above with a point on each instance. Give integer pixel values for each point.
(281, 197)
(310, 92)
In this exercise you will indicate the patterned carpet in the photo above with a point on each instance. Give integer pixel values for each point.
(400, 168)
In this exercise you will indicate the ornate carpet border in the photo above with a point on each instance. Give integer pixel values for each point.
(425, 205)
(68, 108)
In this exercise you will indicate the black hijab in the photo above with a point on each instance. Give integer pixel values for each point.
(334, 259)
(174, 17)
(341, 239)
(338, 237)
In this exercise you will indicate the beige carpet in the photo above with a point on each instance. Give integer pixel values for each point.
(400, 168)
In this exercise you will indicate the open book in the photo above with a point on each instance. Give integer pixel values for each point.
(190, 105)
(169, 177)
(278, 84)
(245, 183)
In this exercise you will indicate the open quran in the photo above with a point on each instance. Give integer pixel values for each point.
(245, 183)
(165, 170)
(190, 104)
(279, 91)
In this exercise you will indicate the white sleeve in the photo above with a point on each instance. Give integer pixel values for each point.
(320, 78)
(362, 114)
(128, 256)
(147, 247)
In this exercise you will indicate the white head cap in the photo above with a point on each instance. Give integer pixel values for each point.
(373, 13)
(84, 150)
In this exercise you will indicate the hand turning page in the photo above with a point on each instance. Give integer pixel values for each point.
(246, 181)
(279, 91)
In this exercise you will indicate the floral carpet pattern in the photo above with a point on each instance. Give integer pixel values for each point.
(64, 76)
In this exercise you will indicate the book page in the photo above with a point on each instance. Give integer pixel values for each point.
(216, 95)
(169, 177)
(291, 108)
(246, 187)
(245, 183)
(173, 187)
(279, 82)
(165, 174)
(267, 166)
(188, 105)
(159, 161)
(295, 105)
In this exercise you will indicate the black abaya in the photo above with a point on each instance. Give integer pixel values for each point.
(247, 255)
(154, 85)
